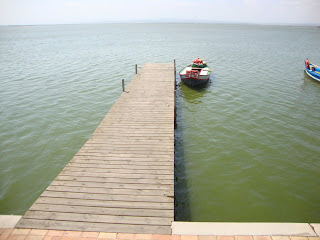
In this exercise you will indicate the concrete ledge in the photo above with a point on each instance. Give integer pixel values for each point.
(9, 221)
(243, 229)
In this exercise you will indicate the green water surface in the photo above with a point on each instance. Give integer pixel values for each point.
(247, 144)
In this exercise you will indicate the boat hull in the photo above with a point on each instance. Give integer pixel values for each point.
(193, 76)
(313, 74)
(193, 82)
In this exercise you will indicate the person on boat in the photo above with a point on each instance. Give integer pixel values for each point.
(307, 64)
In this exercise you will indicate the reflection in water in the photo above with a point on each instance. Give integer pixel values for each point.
(181, 204)
(311, 88)
(250, 140)
(309, 79)
(195, 94)
(182, 199)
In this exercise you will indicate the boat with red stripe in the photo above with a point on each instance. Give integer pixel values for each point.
(196, 74)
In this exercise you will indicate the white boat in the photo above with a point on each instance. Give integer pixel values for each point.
(196, 74)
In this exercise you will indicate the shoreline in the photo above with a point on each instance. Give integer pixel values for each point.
(180, 231)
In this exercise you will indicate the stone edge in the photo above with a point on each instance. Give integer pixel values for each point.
(245, 229)
(9, 221)
(220, 228)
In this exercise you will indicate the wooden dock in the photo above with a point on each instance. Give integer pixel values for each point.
(122, 179)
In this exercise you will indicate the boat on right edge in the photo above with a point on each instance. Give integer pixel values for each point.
(312, 70)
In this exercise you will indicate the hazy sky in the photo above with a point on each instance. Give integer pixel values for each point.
(96, 11)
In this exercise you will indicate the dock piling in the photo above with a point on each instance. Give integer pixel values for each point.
(136, 66)
(175, 83)
(175, 93)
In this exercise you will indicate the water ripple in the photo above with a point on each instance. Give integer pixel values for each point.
(247, 145)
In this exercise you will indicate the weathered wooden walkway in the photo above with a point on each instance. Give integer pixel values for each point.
(122, 179)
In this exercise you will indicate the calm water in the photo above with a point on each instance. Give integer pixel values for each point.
(247, 145)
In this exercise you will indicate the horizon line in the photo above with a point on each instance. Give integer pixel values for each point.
(169, 21)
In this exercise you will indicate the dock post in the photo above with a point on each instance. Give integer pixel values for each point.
(175, 110)
(136, 68)
(175, 93)
(174, 63)
(122, 85)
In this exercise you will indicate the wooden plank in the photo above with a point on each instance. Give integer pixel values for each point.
(124, 122)
(143, 186)
(138, 135)
(135, 131)
(108, 197)
(130, 143)
(141, 127)
(120, 166)
(119, 142)
(112, 157)
(117, 175)
(126, 155)
(162, 126)
(102, 210)
(115, 180)
(109, 145)
(115, 135)
(79, 217)
(74, 201)
(126, 117)
(98, 227)
(146, 150)
(147, 153)
(113, 191)
(141, 150)
(119, 171)
(122, 162)
(130, 139)
(141, 113)
(138, 126)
